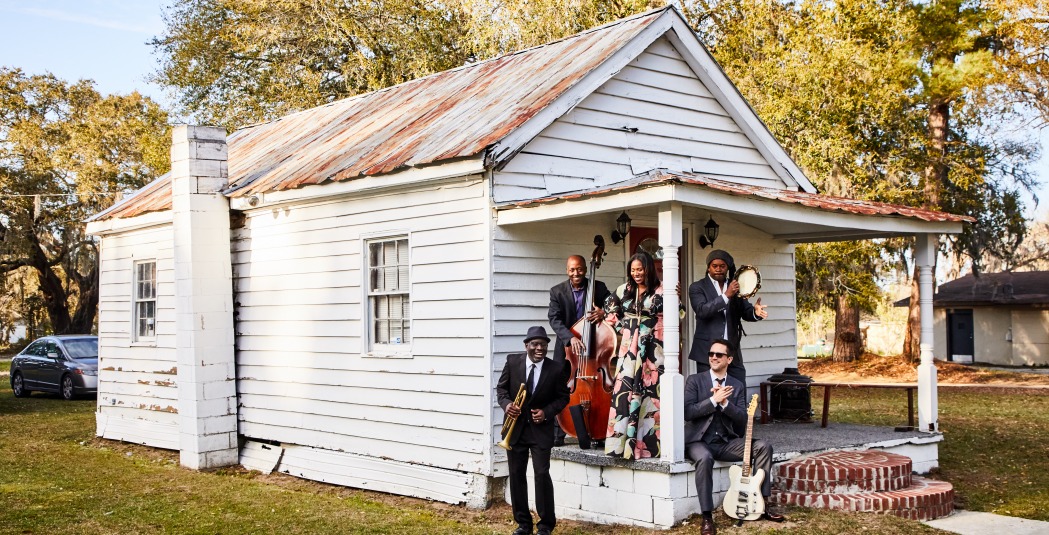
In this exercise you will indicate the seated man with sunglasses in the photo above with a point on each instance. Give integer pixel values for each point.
(715, 424)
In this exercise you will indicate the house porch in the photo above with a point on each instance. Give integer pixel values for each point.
(656, 493)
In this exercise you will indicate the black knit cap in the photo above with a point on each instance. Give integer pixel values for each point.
(718, 254)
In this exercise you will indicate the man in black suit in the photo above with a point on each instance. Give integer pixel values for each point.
(719, 312)
(715, 424)
(546, 387)
(566, 307)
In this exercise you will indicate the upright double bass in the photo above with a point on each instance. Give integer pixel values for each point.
(591, 379)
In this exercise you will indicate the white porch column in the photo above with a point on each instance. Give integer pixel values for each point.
(672, 383)
(207, 395)
(928, 404)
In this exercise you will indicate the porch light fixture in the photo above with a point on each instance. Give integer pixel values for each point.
(710, 233)
(622, 228)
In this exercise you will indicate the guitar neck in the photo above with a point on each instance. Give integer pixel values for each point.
(746, 447)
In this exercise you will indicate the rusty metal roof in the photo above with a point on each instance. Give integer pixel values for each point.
(153, 197)
(812, 200)
(449, 115)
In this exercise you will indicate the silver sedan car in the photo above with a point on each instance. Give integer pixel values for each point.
(67, 365)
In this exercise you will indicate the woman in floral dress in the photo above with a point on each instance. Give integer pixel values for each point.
(635, 310)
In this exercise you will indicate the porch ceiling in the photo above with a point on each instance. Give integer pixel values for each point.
(793, 216)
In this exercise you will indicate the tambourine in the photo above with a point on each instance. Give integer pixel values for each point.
(749, 281)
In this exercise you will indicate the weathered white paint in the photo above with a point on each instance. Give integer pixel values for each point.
(137, 389)
(306, 377)
(672, 382)
(654, 114)
(207, 397)
(384, 475)
(928, 406)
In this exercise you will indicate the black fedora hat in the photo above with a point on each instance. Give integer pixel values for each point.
(536, 332)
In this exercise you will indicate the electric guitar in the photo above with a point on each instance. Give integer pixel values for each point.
(743, 501)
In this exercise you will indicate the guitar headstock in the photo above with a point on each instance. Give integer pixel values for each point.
(753, 407)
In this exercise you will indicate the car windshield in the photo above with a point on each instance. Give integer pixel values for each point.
(82, 348)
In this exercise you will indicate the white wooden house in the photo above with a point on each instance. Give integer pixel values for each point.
(334, 293)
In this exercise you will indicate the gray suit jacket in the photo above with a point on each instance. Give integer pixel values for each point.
(699, 411)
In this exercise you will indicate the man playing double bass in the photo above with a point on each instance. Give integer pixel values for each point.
(566, 307)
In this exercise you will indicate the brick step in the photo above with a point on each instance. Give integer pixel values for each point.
(844, 472)
(924, 499)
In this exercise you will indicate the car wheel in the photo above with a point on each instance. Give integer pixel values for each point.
(18, 386)
(67, 387)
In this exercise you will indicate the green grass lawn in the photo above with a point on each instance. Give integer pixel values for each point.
(57, 478)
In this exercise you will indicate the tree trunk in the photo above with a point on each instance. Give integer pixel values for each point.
(848, 345)
(912, 336)
(55, 297)
(935, 177)
(87, 304)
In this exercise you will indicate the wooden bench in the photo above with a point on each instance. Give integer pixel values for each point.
(766, 388)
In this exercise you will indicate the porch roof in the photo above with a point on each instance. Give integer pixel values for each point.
(793, 216)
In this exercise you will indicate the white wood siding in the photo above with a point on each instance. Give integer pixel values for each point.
(304, 375)
(527, 261)
(770, 344)
(137, 390)
(654, 114)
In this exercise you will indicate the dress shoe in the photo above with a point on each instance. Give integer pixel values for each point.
(559, 441)
(543, 532)
(773, 517)
(522, 531)
(707, 528)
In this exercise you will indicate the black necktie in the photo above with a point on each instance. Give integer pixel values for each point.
(531, 374)
(721, 382)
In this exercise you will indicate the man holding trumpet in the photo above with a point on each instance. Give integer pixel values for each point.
(539, 387)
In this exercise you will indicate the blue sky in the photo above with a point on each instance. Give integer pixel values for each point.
(106, 41)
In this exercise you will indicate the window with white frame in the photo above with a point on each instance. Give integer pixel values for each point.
(389, 316)
(145, 300)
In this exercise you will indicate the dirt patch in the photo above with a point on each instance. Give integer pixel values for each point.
(871, 368)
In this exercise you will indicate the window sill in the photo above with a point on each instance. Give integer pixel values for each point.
(144, 343)
(388, 355)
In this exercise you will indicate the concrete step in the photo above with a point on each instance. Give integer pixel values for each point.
(869, 481)
(844, 472)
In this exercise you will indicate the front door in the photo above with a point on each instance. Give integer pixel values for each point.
(960, 335)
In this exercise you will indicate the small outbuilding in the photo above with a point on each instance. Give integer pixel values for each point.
(994, 318)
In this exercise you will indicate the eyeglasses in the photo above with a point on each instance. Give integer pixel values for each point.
(716, 354)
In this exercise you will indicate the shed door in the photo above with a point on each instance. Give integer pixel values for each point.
(960, 335)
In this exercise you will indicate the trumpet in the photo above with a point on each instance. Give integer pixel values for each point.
(510, 421)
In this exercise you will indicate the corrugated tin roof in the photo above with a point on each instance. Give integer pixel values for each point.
(153, 197)
(449, 115)
(812, 200)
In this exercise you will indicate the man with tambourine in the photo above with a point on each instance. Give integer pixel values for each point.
(721, 307)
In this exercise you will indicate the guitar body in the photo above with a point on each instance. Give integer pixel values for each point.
(743, 501)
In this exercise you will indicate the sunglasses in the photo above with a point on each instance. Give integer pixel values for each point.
(715, 354)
